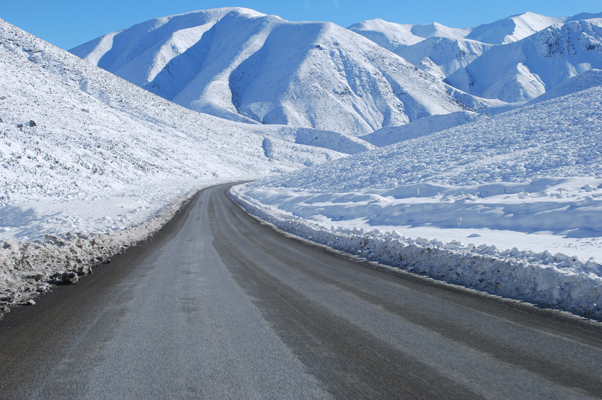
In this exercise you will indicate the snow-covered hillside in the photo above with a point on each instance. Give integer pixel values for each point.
(443, 56)
(578, 83)
(528, 68)
(392, 36)
(255, 68)
(84, 152)
(72, 129)
(528, 182)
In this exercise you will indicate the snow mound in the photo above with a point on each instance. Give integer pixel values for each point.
(523, 189)
(422, 127)
(255, 68)
(586, 80)
(545, 279)
(526, 69)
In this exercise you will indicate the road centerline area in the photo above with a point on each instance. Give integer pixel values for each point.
(218, 305)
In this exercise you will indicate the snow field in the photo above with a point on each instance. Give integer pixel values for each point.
(556, 281)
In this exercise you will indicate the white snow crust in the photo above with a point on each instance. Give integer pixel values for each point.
(86, 157)
(511, 204)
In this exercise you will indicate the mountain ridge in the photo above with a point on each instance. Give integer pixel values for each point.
(264, 69)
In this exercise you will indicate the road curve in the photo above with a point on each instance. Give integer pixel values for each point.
(218, 305)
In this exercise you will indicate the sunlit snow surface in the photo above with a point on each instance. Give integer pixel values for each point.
(528, 182)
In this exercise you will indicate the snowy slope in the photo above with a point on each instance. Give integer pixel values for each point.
(586, 80)
(512, 29)
(528, 68)
(70, 130)
(443, 56)
(422, 127)
(434, 48)
(392, 36)
(510, 204)
(255, 68)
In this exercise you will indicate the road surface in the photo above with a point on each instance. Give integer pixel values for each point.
(218, 305)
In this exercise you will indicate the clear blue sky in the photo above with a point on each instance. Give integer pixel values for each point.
(68, 23)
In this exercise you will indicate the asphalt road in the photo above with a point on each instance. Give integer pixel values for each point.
(218, 305)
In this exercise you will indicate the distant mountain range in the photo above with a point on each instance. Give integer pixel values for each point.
(520, 66)
(526, 69)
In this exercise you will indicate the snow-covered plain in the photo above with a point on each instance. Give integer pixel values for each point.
(249, 67)
(90, 163)
(511, 204)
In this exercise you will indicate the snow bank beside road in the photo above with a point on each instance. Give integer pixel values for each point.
(544, 279)
(30, 267)
(527, 181)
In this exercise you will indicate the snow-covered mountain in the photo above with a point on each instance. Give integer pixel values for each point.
(512, 29)
(441, 56)
(392, 36)
(528, 68)
(103, 164)
(434, 48)
(249, 67)
(441, 50)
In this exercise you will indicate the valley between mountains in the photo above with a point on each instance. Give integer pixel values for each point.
(471, 156)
